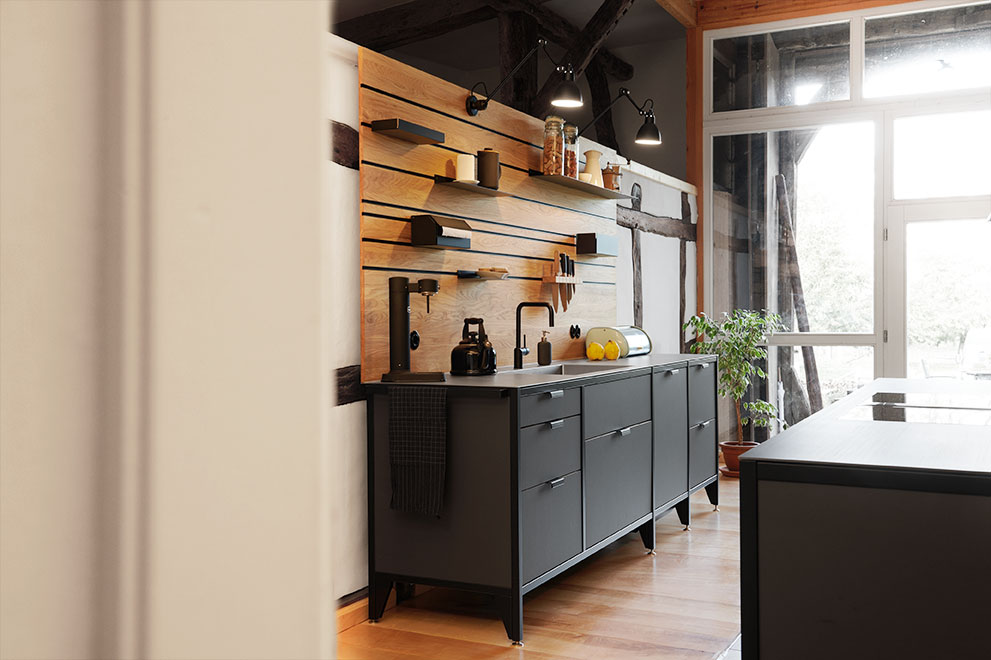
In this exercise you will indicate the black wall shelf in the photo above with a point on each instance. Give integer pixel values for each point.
(429, 231)
(596, 245)
(408, 131)
(470, 187)
(589, 188)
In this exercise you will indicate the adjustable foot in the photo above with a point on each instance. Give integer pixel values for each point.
(652, 552)
(688, 528)
(517, 643)
(715, 508)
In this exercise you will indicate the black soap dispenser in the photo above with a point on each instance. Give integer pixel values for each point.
(544, 350)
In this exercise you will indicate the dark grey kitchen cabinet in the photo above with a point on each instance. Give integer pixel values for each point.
(552, 524)
(617, 480)
(670, 392)
(542, 471)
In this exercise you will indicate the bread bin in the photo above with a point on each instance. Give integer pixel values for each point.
(630, 339)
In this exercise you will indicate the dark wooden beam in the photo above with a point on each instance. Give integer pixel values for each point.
(517, 36)
(655, 224)
(559, 31)
(637, 279)
(586, 46)
(343, 144)
(598, 85)
(412, 22)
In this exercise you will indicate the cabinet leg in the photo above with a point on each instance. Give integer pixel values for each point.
(712, 490)
(378, 595)
(511, 611)
(647, 535)
(684, 513)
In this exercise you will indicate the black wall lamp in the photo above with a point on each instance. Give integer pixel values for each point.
(567, 94)
(648, 133)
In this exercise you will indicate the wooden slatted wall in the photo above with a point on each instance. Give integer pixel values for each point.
(523, 232)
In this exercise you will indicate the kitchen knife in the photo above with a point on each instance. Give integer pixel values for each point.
(564, 287)
(571, 273)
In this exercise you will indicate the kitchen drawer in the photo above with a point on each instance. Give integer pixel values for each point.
(617, 481)
(544, 407)
(549, 450)
(670, 422)
(552, 524)
(616, 404)
(701, 452)
(701, 392)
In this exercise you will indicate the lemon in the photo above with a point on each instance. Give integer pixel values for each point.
(594, 351)
(612, 350)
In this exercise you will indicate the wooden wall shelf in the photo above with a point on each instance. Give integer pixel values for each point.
(408, 131)
(568, 182)
(470, 187)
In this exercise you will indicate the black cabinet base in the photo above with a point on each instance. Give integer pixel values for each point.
(511, 612)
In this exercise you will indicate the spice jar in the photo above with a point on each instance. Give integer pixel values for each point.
(553, 161)
(571, 151)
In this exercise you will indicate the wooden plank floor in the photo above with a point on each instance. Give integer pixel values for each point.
(621, 603)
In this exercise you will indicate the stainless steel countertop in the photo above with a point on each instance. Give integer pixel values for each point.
(533, 375)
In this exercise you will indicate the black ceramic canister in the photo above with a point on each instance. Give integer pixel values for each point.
(489, 169)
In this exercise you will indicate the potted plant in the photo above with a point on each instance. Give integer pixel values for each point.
(737, 340)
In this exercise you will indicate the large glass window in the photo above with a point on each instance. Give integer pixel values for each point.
(943, 155)
(948, 291)
(789, 67)
(928, 51)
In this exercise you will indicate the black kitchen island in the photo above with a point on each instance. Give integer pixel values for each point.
(866, 529)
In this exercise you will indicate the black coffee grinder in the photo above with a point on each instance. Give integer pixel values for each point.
(401, 340)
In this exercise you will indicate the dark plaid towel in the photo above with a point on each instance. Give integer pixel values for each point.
(418, 448)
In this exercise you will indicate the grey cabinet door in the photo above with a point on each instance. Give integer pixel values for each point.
(616, 404)
(701, 452)
(552, 524)
(701, 392)
(617, 481)
(670, 434)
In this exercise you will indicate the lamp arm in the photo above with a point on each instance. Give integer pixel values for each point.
(622, 92)
(540, 43)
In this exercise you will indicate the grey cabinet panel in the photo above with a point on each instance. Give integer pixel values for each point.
(670, 421)
(701, 392)
(701, 452)
(617, 481)
(616, 404)
(552, 524)
(549, 450)
(543, 407)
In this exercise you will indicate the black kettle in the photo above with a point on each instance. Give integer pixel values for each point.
(474, 356)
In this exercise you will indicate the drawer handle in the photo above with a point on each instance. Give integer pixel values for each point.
(625, 432)
(554, 483)
(556, 424)
(555, 394)
(705, 424)
(704, 365)
(673, 372)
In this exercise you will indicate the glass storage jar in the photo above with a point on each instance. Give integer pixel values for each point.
(553, 161)
(571, 151)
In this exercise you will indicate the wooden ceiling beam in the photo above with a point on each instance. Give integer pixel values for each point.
(411, 22)
(683, 11)
(517, 35)
(561, 32)
(585, 47)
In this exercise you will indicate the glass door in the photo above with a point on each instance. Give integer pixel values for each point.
(937, 282)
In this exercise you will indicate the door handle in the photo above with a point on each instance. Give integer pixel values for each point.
(625, 432)
(555, 394)
(705, 424)
(673, 372)
(554, 483)
(704, 365)
(556, 424)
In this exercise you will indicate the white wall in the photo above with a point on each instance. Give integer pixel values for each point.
(347, 438)
(164, 380)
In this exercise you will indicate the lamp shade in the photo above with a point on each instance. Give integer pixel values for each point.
(648, 133)
(567, 94)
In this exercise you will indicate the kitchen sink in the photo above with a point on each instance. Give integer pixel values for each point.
(570, 369)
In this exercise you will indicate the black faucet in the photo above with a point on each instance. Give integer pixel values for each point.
(520, 351)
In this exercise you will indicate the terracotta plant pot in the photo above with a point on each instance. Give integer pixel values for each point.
(731, 454)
